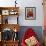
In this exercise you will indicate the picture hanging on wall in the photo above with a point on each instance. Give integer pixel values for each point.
(30, 13)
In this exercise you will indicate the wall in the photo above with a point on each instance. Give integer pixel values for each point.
(26, 3)
(39, 13)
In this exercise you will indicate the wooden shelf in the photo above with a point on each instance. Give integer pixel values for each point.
(11, 26)
(10, 43)
(8, 11)
(4, 13)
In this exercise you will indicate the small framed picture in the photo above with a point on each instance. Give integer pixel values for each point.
(30, 13)
(5, 12)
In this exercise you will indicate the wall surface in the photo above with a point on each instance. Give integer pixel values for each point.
(39, 12)
(26, 3)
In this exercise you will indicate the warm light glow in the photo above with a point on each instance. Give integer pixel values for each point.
(15, 30)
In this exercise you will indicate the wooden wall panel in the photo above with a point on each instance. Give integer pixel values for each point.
(44, 8)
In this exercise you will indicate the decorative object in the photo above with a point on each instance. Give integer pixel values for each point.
(13, 12)
(5, 12)
(30, 13)
(15, 3)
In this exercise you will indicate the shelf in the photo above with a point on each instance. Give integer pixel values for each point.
(6, 12)
(9, 10)
(10, 26)
(11, 41)
(6, 23)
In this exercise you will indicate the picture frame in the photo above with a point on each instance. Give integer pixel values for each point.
(30, 13)
(5, 12)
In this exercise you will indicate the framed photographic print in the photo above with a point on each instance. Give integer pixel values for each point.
(30, 13)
